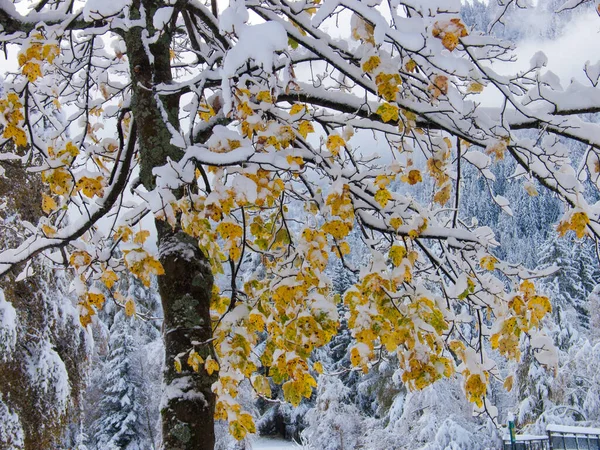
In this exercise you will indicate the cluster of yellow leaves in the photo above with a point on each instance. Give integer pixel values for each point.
(316, 248)
(91, 186)
(475, 386)
(194, 219)
(475, 383)
(575, 221)
(421, 371)
(240, 423)
(195, 361)
(89, 304)
(32, 57)
(64, 155)
(340, 206)
(388, 85)
(59, 180)
(232, 233)
(12, 118)
(277, 135)
(205, 111)
(269, 187)
(295, 370)
(142, 264)
(527, 309)
(284, 309)
(383, 195)
(410, 325)
(449, 31)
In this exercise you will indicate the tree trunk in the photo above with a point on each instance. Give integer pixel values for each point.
(186, 287)
(188, 401)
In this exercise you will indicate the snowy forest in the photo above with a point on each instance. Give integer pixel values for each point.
(344, 224)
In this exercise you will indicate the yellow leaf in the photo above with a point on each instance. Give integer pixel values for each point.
(318, 367)
(32, 71)
(296, 108)
(371, 64)
(292, 393)
(441, 83)
(344, 248)
(397, 254)
(411, 65)
(527, 288)
(475, 87)
(129, 308)
(508, 383)
(109, 278)
(383, 196)
(338, 229)
(205, 111)
(195, 360)
(17, 134)
(48, 204)
(396, 222)
(264, 96)
(141, 236)
(530, 189)
(475, 389)
(211, 365)
(387, 85)
(49, 230)
(96, 300)
(177, 365)
(261, 385)
(247, 422)
(85, 320)
(578, 223)
(90, 186)
(80, 258)
(450, 41)
(497, 149)
(442, 196)
(488, 262)
(413, 177)
(305, 127)
(334, 142)
(388, 112)
(124, 233)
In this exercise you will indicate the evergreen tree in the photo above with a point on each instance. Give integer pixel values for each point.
(571, 283)
(119, 427)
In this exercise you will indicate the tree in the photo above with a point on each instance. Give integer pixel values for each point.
(216, 122)
(121, 403)
(43, 350)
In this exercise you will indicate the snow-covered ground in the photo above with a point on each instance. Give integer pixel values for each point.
(264, 443)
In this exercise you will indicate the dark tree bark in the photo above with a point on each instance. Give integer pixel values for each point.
(186, 286)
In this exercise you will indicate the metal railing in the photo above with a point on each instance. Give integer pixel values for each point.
(560, 437)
